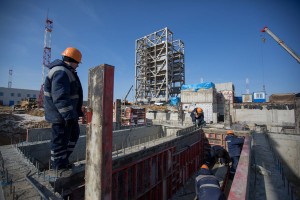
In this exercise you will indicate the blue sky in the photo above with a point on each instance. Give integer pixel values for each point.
(223, 42)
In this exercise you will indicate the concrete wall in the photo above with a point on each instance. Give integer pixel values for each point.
(288, 149)
(297, 115)
(172, 118)
(200, 96)
(131, 137)
(273, 119)
(121, 139)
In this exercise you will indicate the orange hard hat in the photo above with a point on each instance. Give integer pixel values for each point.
(204, 166)
(229, 132)
(199, 110)
(73, 53)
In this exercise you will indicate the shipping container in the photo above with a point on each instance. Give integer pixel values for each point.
(247, 98)
(259, 97)
(238, 99)
(134, 116)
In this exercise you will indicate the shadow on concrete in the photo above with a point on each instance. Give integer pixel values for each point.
(268, 178)
(291, 180)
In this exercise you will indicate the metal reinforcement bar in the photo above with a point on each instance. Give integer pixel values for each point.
(41, 193)
(186, 130)
(240, 184)
(279, 166)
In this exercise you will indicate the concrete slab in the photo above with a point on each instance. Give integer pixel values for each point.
(14, 168)
(264, 185)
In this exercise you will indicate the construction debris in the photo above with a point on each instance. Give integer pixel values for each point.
(13, 127)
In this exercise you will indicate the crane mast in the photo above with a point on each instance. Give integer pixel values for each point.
(281, 43)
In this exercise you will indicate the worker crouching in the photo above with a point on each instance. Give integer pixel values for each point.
(207, 186)
(197, 116)
(218, 154)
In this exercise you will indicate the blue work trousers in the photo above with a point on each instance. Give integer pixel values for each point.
(234, 164)
(64, 139)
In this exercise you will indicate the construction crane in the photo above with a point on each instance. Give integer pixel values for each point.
(124, 101)
(281, 43)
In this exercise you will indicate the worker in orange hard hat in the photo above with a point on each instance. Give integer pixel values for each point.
(72, 54)
(197, 116)
(63, 98)
(234, 145)
(204, 166)
(207, 186)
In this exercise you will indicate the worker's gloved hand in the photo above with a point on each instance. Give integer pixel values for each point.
(69, 122)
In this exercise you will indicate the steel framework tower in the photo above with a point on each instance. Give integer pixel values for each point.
(46, 57)
(159, 67)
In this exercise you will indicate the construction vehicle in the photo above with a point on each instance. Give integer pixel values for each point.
(25, 104)
(281, 43)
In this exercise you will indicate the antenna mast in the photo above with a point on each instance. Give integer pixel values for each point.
(247, 86)
(10, 78)
(46, 56)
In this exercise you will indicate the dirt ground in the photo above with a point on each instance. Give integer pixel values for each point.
(14, 125)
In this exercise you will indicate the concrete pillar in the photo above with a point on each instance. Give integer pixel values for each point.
(227, 117)
(98, 169)
(297, 115)
(180, 114)
(118, 114)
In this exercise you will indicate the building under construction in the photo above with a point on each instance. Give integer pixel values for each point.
(159, 67)
(159, 160)
(159, 153)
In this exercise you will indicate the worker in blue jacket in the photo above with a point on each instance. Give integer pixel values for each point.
(218, 154)
(197, 116)
(207, 186)
(234, 145)
(63, 98)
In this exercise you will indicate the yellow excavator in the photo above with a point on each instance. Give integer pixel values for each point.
(25, 104)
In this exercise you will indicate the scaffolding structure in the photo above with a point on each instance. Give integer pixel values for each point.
(46, 57)
(159, 67)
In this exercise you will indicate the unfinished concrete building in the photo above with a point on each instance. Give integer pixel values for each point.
(159, 67)
(149, 162)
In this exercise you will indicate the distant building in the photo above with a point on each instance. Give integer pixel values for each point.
(12, 96)
(259, 97)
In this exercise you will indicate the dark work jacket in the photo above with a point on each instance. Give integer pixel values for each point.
(63, 94)
(207, 187)
(234, 145)
(218, 151)
(194, 117)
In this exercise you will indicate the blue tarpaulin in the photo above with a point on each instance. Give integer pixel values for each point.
(174, 101)
(196, 87)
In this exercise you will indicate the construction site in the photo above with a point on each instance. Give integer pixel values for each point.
(150, 148)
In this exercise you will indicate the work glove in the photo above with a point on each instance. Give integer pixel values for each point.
(69, 122)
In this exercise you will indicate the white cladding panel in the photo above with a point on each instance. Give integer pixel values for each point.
(200, 96)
